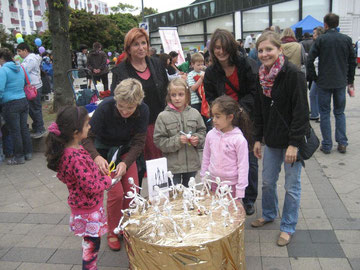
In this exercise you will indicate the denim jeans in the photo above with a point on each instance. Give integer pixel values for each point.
(35, 112)
(15, 114)
(314, 101)
(339, 97)
(273, 159)
(251, 190)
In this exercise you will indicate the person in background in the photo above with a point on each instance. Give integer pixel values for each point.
(97, 63)
(15, 106)
(165, 62)
(82, 56)
(307, 42)
(313, 96)
(283, 90)
(227, 145)
(151, 74)
(172, 68)
(32, 64)
(181, 152)
(119, 123)
(248, 42)
(275, 28)
(197, 62)
(86, 185)
(336, 71)
(241, 46)
(293, 50)
(234, 75)
(152, 52)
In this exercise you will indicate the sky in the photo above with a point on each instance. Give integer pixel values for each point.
(161, 5)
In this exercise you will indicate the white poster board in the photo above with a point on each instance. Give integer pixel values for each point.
(157, 176)
(171, 42)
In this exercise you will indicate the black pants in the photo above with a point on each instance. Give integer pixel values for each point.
(251, 190)
(104, 80)
(185, 178)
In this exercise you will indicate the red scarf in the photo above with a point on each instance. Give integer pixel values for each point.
(267, 77)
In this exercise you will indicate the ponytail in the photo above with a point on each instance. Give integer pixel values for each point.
(69, 120)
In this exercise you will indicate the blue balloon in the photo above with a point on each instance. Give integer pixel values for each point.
(19, 40)
(38, 42)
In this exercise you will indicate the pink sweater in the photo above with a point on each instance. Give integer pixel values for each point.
(226, 156)
(83, 179)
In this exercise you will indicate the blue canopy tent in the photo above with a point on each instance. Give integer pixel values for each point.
(307, 24)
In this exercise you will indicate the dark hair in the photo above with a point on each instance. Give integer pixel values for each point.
(6, 54)
(163, 59)
(97, 46)
(228, 105)
(23, 46)
(82, 47)
(69, 120)
(332, 20)
(228, 44)
(306, 35)
(173, 54)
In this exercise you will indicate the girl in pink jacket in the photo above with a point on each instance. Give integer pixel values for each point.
(226, 148)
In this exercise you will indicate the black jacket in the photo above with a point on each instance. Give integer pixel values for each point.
(288, 99)
(121, 72)
(215, 78)
(336, 60)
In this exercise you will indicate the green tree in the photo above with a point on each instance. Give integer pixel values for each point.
(5, 38)
(124, 8)
(59, 29)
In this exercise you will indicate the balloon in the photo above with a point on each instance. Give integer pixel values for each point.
(38, 42)
(41, 50)
(109, 54)
(114, 59)
(19, 40)
(18, 35)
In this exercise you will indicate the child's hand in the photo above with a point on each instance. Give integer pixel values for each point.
(102, 164)
(183, 139)
(120, 170)
(194, 140)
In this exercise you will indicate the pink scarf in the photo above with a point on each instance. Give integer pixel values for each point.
(267, 78)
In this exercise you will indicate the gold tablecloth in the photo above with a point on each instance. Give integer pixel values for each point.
(221, 248)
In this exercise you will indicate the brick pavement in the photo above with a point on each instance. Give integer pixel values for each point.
(34, 216)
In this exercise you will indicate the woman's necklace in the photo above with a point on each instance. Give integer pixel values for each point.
(140, 68)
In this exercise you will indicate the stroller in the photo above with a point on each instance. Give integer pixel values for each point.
(83, 94)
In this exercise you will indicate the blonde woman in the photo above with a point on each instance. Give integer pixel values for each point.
(119, 123)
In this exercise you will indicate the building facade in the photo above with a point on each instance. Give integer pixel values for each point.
(27, 16)
(196, 23)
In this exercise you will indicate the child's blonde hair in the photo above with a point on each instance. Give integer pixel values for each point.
(178, 82)
(197, 57)
(129, 91)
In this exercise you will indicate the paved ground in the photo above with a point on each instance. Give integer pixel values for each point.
(34, 216)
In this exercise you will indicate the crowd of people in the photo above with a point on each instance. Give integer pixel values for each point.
(227, 104)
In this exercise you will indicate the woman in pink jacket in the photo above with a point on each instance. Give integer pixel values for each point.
(227, 145)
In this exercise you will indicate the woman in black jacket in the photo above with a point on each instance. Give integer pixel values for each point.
(234, 75)
(282, 121)
(151, 74)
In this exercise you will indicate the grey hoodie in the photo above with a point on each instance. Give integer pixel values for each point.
(32, 64)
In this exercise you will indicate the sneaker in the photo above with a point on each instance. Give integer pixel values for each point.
(38, 135)
(249, 209)
(314, 118)
(341, 148)
(324, 150)
(16, 161)
(28, 156)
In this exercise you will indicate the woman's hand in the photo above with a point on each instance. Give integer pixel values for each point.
(291, 154)
(194, 140)
(102, 164)
(183, 139)
(120, 170)
(257, 150)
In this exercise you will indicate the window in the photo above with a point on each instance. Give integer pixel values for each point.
(193, 28)
(318, 9)
(224, 22)
(196, 12)
(212, 8)
(30, 13)
(22, 23)
(256, 19)
(285, 14)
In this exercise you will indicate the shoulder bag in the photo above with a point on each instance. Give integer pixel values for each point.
(30, 90)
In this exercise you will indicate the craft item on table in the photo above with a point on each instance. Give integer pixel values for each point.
(196, 196)
(132, 182)
(161, 195)
(137, 203)
(172, 188)
(207, 183)
(226, 191)
(188, 136)
(112, 165)
(122, 226)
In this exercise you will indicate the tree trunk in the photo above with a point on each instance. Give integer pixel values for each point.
(59, 28)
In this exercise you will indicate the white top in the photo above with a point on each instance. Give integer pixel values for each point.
(248, 42)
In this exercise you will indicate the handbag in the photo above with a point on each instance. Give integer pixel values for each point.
(308, 146)
(30, 90)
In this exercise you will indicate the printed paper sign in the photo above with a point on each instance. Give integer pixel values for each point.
(171, 42)
(157, 176)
